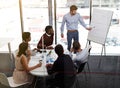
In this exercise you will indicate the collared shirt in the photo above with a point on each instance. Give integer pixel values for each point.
(82, 56)
(72, 22)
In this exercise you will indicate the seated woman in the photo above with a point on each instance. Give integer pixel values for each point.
(26, 37)
(21, 71)
(46, 39)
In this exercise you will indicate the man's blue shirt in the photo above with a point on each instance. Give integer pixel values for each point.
(72, 22)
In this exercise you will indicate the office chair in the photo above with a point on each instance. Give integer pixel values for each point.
(9, 82)
(80, 67)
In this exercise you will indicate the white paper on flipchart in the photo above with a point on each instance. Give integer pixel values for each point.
(100, 21)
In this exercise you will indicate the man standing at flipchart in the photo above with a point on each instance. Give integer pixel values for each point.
(72, 19)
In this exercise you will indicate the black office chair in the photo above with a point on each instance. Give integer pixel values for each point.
(80, 67)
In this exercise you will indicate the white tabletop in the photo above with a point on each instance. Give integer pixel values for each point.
(41, 71)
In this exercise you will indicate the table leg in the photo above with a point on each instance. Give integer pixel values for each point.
(35, 82)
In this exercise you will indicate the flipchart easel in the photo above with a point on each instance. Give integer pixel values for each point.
(100, 23)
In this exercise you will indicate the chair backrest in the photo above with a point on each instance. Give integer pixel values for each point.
(81, 67)
(3, 79)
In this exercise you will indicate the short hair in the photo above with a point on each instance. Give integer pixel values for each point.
(25, 35)
(73, 7)
(76, 45)
(59, 49)
(47, 28)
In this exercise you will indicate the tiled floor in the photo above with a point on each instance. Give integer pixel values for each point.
(107, 75)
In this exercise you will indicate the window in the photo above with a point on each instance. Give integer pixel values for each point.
(35, 18)
(112, 44)
(10, 29)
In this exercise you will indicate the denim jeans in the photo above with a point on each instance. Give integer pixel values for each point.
(70, 36)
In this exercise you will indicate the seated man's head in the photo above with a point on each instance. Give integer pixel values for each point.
(59, 50)
(49, 30)
(76, 46)
(26, 36)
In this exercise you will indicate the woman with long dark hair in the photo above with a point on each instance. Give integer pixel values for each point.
(21, 72)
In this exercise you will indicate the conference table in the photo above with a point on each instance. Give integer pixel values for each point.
(46, 57)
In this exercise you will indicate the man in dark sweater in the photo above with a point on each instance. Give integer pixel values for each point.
(46, 39)
(63, 68)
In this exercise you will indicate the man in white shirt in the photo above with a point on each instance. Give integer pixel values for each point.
(81, 54)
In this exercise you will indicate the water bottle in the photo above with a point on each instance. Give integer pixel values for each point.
(47, 59)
